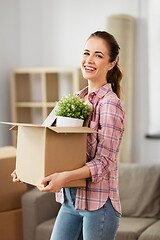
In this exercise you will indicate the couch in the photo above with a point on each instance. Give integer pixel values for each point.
(139, 187)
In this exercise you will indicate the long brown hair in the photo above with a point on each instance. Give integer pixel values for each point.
(114, 76)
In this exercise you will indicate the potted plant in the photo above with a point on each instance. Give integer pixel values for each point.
(72, 111)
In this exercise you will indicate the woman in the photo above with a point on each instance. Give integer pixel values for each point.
(93, 212)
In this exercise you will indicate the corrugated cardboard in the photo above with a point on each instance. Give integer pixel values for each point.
(10, 193)
(42, 151)
(11, 225)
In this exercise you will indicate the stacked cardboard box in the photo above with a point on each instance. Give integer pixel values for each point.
(10, 197)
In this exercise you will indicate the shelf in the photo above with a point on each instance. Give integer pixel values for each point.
(52, 93)
(44, 70)
(50, 104)
(29, 104)
(35, 91)
(35, 104)
(28, 87)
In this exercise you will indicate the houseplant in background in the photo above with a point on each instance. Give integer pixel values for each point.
(72, 111)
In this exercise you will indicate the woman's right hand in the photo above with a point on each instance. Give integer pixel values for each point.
(14, 176)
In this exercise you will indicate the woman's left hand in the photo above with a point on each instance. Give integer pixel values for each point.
(52, 183)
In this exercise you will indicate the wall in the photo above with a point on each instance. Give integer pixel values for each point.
(53, 33)
(151, 147)
(154, 65)
(9, 58)
(146, 86)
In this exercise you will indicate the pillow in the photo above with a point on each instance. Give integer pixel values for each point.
(139, 187)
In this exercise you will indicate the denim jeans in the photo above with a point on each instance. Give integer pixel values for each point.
(72, 224)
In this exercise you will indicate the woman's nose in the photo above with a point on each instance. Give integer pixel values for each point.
(90, 59)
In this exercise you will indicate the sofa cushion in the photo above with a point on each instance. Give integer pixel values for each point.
(151, 233)
(44, 230)
(139, 187)
(131, 228)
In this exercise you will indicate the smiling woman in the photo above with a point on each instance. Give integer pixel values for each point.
(93, 212)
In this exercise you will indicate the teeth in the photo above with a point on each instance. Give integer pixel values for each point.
(89, 68)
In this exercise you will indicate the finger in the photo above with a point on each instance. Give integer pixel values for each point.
(46, 180)
(48, 188)
(14, 177)
(43, 189)
(39, 187)
(13, 174)
(16, 180)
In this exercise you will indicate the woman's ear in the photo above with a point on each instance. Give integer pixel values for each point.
(112, 64)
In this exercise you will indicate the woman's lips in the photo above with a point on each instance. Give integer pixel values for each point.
(89, 68)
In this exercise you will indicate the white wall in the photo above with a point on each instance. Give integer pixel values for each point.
(53, 33)
(9, 58)
(146, 84)
(151, 148)
(154, 64)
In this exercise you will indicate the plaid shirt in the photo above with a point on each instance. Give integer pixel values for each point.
(108, 119)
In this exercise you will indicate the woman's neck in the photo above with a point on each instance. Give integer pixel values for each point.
(93, 86)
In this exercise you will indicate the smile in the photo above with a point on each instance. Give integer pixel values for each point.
(89, 69)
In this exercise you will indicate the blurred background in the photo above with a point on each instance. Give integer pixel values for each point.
(50, 33)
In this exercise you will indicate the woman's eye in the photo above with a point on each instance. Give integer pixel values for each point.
(86, 53)
(99, 56)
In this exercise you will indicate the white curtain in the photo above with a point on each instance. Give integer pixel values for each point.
(154, 65)
(122, 27)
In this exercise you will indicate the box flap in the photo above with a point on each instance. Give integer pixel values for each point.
(14, 128)
(15, 125)
(9, 123)
(55, 129)
(72, 130)
(51, 117)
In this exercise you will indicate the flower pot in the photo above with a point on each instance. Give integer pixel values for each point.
(68, 122)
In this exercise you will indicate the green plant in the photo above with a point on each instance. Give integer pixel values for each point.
(74, 107)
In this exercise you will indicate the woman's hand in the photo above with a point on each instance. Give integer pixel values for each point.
(15, 178)
(56, 181)
(53, 183)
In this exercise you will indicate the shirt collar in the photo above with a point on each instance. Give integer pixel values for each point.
(82, 93)
(100, 92)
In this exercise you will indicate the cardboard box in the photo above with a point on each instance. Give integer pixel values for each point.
(42, 151)
(11, 225)
(10, 193)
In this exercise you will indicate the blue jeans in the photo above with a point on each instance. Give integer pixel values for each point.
(72, 224)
